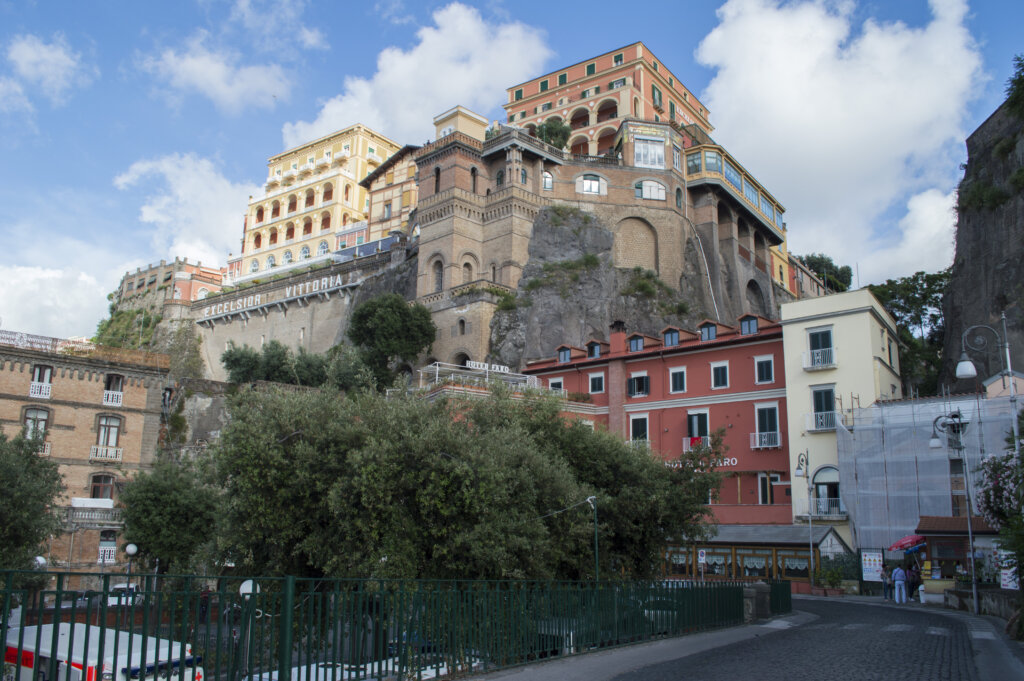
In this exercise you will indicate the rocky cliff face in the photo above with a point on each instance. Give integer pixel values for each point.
(988, 271)
(570, 293)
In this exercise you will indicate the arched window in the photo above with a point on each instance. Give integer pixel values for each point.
(522, 176)
(102, 486)
(591, 184)
(275, 210)
(438, 275)
(289, 233)
(286, 259)
(257, 241)
(202, 294)
(549, 181)
(462, 327)
(307, 227)
(344, 220)
(636, 107)
(271, 262)
(259, 215)
(679, 197)
(499, 179)
(649, 189)
(472, 180)
(273, 237)
(494, 273)
(254, 266)
(328, 192)
(437, 179)
(826, 491)
(348, 193)
(467, 273)
(322, 248)
(35, 422)
(304, 253)
(293, 203)
(325, 221)
(309, 198)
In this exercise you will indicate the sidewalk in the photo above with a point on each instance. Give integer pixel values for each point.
(607, 664)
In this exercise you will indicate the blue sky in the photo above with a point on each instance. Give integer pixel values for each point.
(136, 131)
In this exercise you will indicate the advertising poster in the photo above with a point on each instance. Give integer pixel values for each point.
(1007, 574)
(871, 565)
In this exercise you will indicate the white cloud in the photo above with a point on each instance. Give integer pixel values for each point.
(843, 122)
(218, 76)
(273, 22)
(393, 11)
(53, 67)
(460, 59)
(59, 302)
(194, 211)
(12, 96)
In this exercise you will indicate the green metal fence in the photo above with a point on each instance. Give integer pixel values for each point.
(781, 597)
(287, 629)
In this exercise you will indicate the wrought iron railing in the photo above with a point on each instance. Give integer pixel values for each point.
(293, 629)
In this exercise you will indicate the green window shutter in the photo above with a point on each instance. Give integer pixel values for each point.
(671, 111)
(591, 69)
(519, 94)
(562, 78)
(543, 86)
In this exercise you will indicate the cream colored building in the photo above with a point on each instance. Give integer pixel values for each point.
(841, 352)
(393, 191)
(312, 194)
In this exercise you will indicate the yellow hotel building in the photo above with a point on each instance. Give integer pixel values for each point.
(312, 193)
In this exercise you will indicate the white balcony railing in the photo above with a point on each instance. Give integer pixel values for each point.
(108, 554)
(765, 440)
(44, 449)
(103, 453)
(639, 444)
(692, 443)
(821, 421)
(39, 391)
(374, 158)
(112, 398)
(825, 508)
(323, 162)
(819, 359)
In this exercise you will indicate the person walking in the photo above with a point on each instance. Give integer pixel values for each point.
(899, 578)
(886, 583)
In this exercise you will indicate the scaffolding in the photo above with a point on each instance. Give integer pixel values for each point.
(891, 475)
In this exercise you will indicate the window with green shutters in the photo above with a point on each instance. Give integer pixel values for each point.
(563, 78)
(656, 96)
(591, 69)
(543, 86)
(519, 94)
(671, 111)
(617, 60)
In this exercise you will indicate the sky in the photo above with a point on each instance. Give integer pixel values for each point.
(133, 132)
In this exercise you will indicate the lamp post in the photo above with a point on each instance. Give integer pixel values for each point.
(954, 426)
(965, 368)
(803, 470)
(592, 500)
(130, 551)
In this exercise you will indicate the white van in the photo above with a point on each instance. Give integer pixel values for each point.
(78, 648)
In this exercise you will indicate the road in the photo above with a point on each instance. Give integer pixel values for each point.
(855, 638)
(847, 641)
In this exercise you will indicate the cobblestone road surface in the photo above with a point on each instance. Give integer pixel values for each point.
(855, 642)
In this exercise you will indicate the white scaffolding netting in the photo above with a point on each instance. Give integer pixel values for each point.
(891, 476)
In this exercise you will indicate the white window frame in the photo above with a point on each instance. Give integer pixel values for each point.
(767, 405)
(548, 181)
(651, 190)
(589, 186)
(763, 358)
(671, 373)
(641, 160)
(647, 427)
(556, 384)
(640, 374)
(707, 420)
(717, 365)
(773, 478)
(590, 382)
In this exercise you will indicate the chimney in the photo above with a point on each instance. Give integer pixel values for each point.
(617, 338)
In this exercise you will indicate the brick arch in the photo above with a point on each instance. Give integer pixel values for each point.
(636, 244)
(755, 298)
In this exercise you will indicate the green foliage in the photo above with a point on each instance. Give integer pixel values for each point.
(309, 369)
(980, 195)
(186, 360)
(343, 367)
(554, 132)
(843, 565)
(31, 486)
(1003, 147)
(1015, 88)
(915, 302)
(834, 277)
(127, 329)
(242, 363)
(560, 213)
(386, 328)
(1017, 180)
(276, 363)
(647, 284)
(320, 484)
(169, 513)
(346, 370)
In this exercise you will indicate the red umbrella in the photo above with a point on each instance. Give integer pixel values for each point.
(907, 542)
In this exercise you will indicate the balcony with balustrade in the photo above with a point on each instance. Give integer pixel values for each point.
(824, 509)
(821, 421)
(113, 398)
(104, 454)
(767, 440)
(39, 391)
(817, 360)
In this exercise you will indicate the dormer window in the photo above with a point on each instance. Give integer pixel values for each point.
(671, 338)
(708, 332)
(636, 343)
(563, 354)
(594, 350)
(748, 326)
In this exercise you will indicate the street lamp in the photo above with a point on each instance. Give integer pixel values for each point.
(954, 426)
(965, 367)
(130, 551)
(803, 470)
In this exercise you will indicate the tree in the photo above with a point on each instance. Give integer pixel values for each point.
(834, 277)
(362, 486)
(1015, 88)
(242, 363)
(554, 132)
(915, 302)
(32, 485)
(386, 328)
(169, 513)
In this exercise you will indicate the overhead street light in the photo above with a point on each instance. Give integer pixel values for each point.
(803, 470)
(965, 368)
